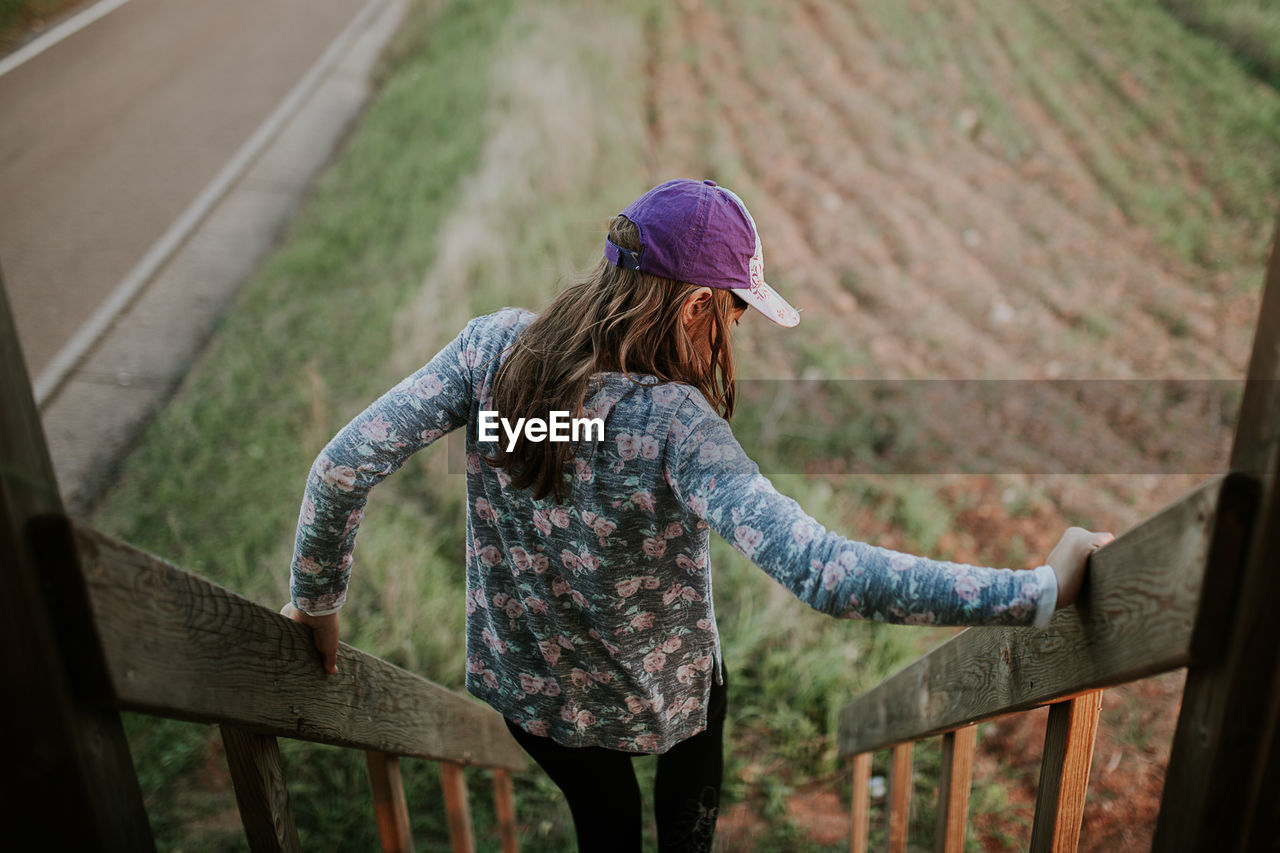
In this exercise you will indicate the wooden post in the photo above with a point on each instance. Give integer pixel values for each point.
(455, 805)
(861, 812)
(953, 792)
(504, 799)
(70, 778)
(1222, 784)
(900, 797)
(1064, 772)
(388, 802)
(258, 777)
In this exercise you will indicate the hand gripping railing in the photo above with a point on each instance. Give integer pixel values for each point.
(92, 625)
(1194, 586)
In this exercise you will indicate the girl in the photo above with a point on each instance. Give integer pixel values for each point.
(590, 624)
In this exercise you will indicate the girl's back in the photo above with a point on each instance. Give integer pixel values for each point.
(590, 620)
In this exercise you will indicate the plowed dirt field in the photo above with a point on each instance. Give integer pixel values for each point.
(977, 189)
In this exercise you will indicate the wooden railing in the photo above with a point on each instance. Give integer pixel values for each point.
(179, 646)
(93, 626)
(1194, 586)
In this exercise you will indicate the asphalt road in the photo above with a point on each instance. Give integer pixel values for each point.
(109, 135)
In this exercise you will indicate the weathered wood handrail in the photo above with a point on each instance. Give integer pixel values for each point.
(1136, 618)
(180, 646)
(1194, 587)
(97, 625)
(176, 645)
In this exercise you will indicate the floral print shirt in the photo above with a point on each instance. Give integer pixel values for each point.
(592, 622)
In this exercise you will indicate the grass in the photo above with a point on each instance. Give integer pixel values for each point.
(1248, 29)
(527, 122)
(20, 20)
(1182, 141)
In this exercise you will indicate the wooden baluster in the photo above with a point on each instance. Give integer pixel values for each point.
(388, 802)
(455, 805)
(900, 797)
(1064, 772)
(953, 792)
(505, 804)
(861, 812)
(258, 777)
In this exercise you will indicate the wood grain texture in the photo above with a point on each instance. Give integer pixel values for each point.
(456, 808)
(953, 789)
(1134, 618)
(388, 802)
(261, 794)
(861, 807)
(900, 797)
(504, 799)
(69, 777)
(1064, 773)
(1223, 781)
(180, 646)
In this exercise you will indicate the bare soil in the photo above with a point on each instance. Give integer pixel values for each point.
(1125, 782)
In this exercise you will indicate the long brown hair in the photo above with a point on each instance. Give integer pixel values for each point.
(615, 320)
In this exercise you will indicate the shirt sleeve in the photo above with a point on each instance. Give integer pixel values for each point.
(425, 406)
(718, 482)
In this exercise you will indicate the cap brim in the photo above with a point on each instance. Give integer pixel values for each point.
(766, 300)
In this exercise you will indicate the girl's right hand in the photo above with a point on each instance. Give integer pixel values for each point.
(1069, 559)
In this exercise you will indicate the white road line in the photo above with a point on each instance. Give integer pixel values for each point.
(52, 377)
(69, 27)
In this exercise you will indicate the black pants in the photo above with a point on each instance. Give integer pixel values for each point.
(604, 797)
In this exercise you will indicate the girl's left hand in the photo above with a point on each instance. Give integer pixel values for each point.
(324, 632)
(1069, 560)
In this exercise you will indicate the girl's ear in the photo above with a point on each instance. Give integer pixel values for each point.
(695, 305)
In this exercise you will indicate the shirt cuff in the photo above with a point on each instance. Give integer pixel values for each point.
(1048, 601)
(320, 611)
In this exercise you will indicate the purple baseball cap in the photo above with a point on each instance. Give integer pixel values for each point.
(701, 233)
